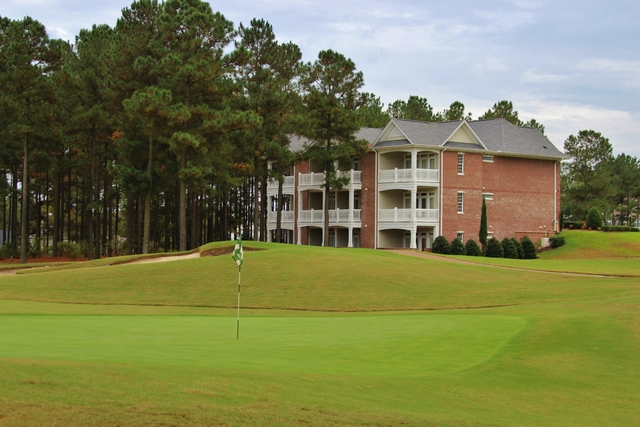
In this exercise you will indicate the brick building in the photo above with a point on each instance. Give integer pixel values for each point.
(420, 180)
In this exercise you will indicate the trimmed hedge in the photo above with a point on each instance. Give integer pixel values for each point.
(528, 248)
(575, 225)
(472, 248)
(509, 248)
(440, 245)
(494, 249)
(457, 247)
(556, 241)
(619, 228)
(518, 246)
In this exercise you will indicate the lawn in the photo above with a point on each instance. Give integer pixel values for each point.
(328, 337)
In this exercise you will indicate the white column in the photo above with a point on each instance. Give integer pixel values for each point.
(414, 165)
(414, 195)
(299, 214)
(351, 202)
(324, 197)
(350, 244)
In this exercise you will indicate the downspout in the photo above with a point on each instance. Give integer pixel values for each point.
(440, 206)
(555, 197)
(375, 205)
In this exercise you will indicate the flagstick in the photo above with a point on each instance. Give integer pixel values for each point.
(238, 324)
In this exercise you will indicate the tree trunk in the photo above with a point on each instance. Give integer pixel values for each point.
(147, 203)
(56, 214)
(24, 221)
(182, 204)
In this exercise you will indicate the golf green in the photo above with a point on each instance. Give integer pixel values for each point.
(396, 345)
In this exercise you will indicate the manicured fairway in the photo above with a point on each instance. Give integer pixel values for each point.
(392, 345)
(329, 337)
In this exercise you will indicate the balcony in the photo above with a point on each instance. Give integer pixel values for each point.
(287, 216)
(407, 176)
(287, 185)
(317, 179)
(336, 216)
(404, 215)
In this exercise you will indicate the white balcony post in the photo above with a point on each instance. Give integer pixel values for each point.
(299, 214)
(395, 176)
(413, 239)
(350, 244)
(414, 194)
(337, 214)
(395, 214)
(351, 203)
(414, 165)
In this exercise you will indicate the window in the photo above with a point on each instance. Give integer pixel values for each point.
(432, 161)
(487, 158)
(407, 161)
(487, 196)
(460, 236)
(356, 164)
(489, 235)
(460, 164)
(460, 202)
(332, 200)
(422, 161)
(356, 200)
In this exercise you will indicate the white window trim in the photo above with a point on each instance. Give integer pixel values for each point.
(458, 201)
(487, 196)
(460, 233)
(460, 164)
(487, 158)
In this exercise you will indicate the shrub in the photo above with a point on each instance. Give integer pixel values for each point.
(457, 247)
(440, 245)
(9, 250)
(606, 228)
(70, 250)
(635, 229)
(510, 250)
(572, 225)
(594, 219)
(528, 248)
(556, 241)
(518, 247)
(494, 249)
(472, 248)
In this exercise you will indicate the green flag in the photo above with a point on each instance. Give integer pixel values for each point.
(238, 254)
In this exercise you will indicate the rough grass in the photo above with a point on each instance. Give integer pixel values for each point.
(575, 362)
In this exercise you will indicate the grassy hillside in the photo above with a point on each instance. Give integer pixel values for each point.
(334, 337)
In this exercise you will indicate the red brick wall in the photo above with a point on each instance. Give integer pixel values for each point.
(523, 191)
(368, 200)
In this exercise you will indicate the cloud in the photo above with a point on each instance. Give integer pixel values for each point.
(564, 119)
(535, 76)
(628, 71)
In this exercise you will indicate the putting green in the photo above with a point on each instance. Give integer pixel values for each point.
(390, 345)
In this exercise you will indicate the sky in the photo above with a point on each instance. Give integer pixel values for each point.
(571, 65)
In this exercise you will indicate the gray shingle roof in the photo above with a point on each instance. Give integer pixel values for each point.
(498, 135)
(299, 143)
(369, 134)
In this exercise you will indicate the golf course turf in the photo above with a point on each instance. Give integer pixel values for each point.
(327, 337)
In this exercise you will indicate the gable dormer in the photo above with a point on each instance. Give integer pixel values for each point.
(391, 135)
(464, 136)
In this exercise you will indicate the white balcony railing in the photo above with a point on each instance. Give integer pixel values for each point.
(335, 216)
(404, 215)
(406, 175)
(287, 185)
(317, 179)
(287, 216)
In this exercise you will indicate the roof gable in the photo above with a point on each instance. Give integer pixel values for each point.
(464, 137)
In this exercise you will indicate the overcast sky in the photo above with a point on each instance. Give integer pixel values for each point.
(571, 65)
